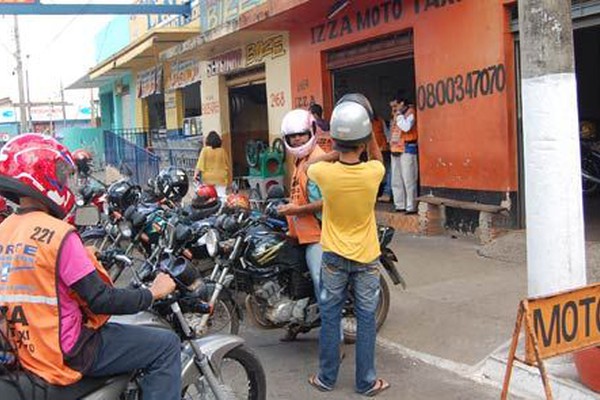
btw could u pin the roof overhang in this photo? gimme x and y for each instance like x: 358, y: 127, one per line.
x: 142, y: 53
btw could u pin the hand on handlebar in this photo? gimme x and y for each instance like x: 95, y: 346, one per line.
x: 162, y: 286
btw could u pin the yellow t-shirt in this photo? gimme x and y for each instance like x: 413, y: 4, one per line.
x: 214, y: 165
x: 349, y: 228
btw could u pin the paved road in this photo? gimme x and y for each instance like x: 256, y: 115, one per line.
x: 288, y: 365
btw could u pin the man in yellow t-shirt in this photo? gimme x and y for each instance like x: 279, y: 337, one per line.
x: 350, y: 244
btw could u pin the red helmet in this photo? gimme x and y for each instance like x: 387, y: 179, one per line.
x: 205, y: 196
x: 37, y: 166
x: 236, y: 200
x: 83, y: 160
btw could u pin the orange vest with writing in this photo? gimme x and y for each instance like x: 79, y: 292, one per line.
x: 398, y: 138
x: 29, y: 291
x: 306, y: 228
x: 324, y: 140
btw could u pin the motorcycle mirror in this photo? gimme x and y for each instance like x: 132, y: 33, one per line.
x: 87, y: 216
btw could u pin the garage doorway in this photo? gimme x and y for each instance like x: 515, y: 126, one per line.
x: 587, y: 65
x: 248, y: 115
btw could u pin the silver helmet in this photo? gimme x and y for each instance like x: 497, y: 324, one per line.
x: 350, y: 125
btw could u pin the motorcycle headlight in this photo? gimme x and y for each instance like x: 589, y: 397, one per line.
x: 79, y: 202
x: 212, y: 242
x: 125, y: 229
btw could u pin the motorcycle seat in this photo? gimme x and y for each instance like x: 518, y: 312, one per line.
x: 25, y: 386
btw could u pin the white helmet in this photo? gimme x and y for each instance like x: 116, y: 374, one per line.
x: 295, y: 122
x: 350, y: 125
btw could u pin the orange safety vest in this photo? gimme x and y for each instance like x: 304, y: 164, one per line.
x: 306, y: 227
x: 379, y: 134
x: 398, y: 138
x: 29, y: 247
x: 324, y: 139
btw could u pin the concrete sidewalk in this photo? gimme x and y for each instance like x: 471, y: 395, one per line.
x: 459, y: 310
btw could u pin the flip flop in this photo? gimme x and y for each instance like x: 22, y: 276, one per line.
x: 379, y: 386
x: 316, y: 383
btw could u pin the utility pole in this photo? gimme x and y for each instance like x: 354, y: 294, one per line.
x: 553, y: 198
x: 30, y: 120
x: 22, y: 107
x: 64, y: 108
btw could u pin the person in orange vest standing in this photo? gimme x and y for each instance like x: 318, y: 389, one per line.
x: 403, y: 146
x: 57, y: 296
x: 321, y: 127
x: 303, y: 212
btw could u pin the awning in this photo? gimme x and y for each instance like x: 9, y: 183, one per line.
x: 142, y: 53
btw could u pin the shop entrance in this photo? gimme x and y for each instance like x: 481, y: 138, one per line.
x: 587, y: 65
x: 380, y: 82
x: 248, y: 117
x: 191, y: 100
x: 156, y: 111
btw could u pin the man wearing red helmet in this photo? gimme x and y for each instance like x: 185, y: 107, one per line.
x: 60, y: 293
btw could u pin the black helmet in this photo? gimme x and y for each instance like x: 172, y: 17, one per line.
x: 172, y: 183
x: 123, y: 194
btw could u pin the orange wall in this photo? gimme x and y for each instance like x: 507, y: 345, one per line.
x: 469, y: 144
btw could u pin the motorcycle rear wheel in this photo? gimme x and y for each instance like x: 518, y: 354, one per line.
x: 250, y: 385
x: 381, y: 313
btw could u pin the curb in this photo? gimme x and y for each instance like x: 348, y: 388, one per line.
x: 525, y: 382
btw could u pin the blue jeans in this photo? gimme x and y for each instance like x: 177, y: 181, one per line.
x: 337, y: 275
x: 314, y: 255
x: 387, y: 179
x: 156, y: 351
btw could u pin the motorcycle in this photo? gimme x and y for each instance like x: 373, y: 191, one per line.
x: 204, y: 360
x: 590, y: 169
x: 255, y: 256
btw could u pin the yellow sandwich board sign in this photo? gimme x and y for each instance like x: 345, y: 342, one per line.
x: 556, y: 324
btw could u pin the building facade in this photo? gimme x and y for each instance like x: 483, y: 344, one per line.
x: 249, y: 62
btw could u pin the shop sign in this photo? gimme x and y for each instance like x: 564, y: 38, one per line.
x: 216, y: 13
x: 184, y: 73
x: 149, y: 82
x: 370, y: 17
x: 225, y: 63
x: 271, y: 47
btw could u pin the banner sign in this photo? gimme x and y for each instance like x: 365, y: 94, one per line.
x: 149, y: 82
x: 184, y: 73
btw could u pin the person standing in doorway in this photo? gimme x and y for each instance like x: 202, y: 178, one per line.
x: 350, y: 245
x: 321, y: 127
x: 403, y: 146
x: 379, y: 133
x: 213, y: 167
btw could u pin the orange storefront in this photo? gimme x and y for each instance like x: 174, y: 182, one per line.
x: 460, y: 54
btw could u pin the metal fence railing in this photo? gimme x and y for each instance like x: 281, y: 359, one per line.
x: 121, y: 152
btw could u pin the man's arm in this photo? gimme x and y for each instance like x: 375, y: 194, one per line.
x: 292, y: 209
x: 405, y: 122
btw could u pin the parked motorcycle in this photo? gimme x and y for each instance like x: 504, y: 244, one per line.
x: 255, y: 256
x: 205, y: 361
x: 590, y: 169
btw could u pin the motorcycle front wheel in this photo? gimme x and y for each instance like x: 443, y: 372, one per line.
x: 242, y: 376
x: 349, y: 321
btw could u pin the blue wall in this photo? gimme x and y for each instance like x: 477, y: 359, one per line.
x: 112, y: 38
x: 90, y: 139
